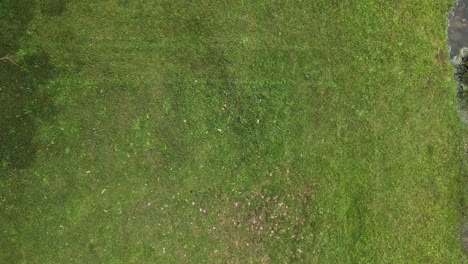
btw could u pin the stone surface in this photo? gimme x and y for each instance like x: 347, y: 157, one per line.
x: 457, y: 37
x: 457, y: 27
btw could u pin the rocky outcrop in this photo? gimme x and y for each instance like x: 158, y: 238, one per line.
x: 460, y: 64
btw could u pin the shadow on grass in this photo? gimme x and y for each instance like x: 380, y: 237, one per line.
x: 15, y: 16
x: 53, y: 7
x: 22, y: 102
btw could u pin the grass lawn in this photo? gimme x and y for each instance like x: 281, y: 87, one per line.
x: 229, y: 132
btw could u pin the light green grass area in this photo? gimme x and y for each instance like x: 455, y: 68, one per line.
x: 229, y: 132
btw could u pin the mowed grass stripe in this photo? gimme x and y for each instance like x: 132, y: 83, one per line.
x: 242, y: 132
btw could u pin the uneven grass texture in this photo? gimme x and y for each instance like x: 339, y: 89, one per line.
x: 229, y: 132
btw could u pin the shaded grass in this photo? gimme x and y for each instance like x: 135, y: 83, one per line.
x: 240, y: 132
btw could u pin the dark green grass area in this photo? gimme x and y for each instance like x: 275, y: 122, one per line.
x: 229, y: 132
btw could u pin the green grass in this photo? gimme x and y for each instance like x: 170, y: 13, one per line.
x: 229, y: 132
